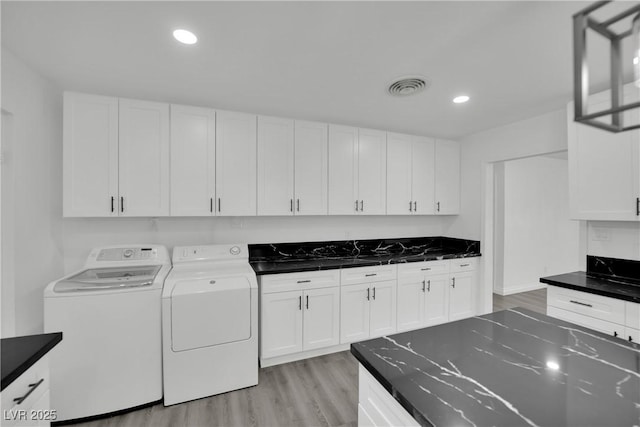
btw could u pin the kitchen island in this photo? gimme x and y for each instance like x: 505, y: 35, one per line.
x: 509, y: 368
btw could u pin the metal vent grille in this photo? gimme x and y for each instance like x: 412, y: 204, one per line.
x: 406, y: 86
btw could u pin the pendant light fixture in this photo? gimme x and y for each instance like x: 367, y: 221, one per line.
x: 584, y: 21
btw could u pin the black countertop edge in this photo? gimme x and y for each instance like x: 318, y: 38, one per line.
x: 387, y: 386
x: 262, y: 268
x: 595, y: 284
x: 20, y: 353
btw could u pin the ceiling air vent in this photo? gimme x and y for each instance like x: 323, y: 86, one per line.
x: 406, y: 86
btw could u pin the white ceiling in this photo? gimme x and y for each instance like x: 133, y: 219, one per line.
x: 326, y: 61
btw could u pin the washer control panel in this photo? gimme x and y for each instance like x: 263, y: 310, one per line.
x: 238, y: 252
x: 127, y: 254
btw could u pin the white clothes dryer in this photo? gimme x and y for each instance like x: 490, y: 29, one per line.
x: 110, y: 357
x: 209, y: 323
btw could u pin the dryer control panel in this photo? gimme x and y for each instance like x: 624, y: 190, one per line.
x: 211, y: 253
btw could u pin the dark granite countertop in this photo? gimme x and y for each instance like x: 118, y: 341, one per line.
x: 20, y: 353
x: 595, y: 284
x: 610, y: 277
x: 509, y: 368
x: 312, y: 256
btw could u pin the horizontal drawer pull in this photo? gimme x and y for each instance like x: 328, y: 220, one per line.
x: 426, y: 269
x: 465, y: 265
x: 32, y: 387
x: 304, y: 281
x: 581, y: 303
x: 371, y: 274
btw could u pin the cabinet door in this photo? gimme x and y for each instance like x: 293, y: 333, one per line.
x: 235, y: 163
x: 461, y: 291
x: 281, y: 324
x: 383, y: 309
x: 399, y: 174
x: 603, y: 172
x: 372, y: 171
x: 90, y: 155
x: 343, y: 170
x: 193, y: 149
x: 275, y: 166
x: 436, y: 299
x: 143, y: 158
x: 447, y: 177
x: 311, y: 153
x: 411, y: 303
x: 423, y: 176
x: 354, y: 312
x: 321, y: 322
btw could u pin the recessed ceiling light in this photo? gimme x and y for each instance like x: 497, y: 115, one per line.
x: 184, y: 36
x: 460, y: 99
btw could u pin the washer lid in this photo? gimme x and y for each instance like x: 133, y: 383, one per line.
x: 100, y: 279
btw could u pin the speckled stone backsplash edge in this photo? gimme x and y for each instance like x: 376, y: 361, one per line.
x: 614, y: 268
x: 361, y: 248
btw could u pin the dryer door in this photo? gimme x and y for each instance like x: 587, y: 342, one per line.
x: 208, y: 312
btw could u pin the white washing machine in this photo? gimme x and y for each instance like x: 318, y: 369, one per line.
x: 110, y: 357
x: 209, y: 323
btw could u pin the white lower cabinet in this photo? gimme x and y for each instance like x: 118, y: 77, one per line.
x: 31, y: 390
x: 435, y: 292
x: 299, y: 312
x: 610, y: 316
x: 367, y: 310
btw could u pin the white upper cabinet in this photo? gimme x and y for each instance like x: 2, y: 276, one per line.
x: 343, y: 170
x: 193, y: 149
x: 143, y: 158
x: 275, y: 166
x: 410, y: 175
x: 235, y: 164
x: 311, y: 141
x: 372, y: 171
x: 90, y: 159
x: 604, y: 170
x: 447, y: 177
x: 357, y: 171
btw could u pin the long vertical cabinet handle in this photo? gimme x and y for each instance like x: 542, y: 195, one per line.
x: 438, y: 207
x: 121, y: 203
x: 374, y: 292
x: 453, y: 282
x: 428, y: 285
x: 219, y: 205
x: 300, y: 302
x: 112, y: 202
x: 356, y: 206
x: 637, y: 206
x: 211, y: 204
x: 368, y: 294
x: 291, y: 205
x: 298, y: 205
x: 415, y: 206
x: 410, y: 206
x: 361, y: 205
x: 307, y: 302
x: 424, y: 285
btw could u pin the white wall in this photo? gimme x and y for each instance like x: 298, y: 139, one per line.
x: 539, y: 239
x: 35, y: 107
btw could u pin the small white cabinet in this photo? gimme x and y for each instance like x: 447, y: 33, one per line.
x: 193, y: 161
x: 447, y: 177
x: 367, y: 308
x: 298, y: 312
x: 410, y: 175
x: 604, y: 170
x: 116, y: 156
x: 357, y: 171
x: 311, y: 141
x: 25, y: 402
x: 235, y: 164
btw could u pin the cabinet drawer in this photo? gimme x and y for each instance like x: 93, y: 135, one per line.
x: 599, y: 325
x: 352, y: 276
x: 299, y: 281
x: 463, y: 264
x: 23, y: 384
x: 423, y: 268
x: 632, y: 311
x: 596, y: 306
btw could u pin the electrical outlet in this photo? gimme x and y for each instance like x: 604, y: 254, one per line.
x: 601, y: 234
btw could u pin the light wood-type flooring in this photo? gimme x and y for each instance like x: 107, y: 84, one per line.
x: 322, y: 391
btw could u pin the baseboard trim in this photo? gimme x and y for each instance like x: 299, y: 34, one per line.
x: 302, y: 355
x: 525, y: 288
